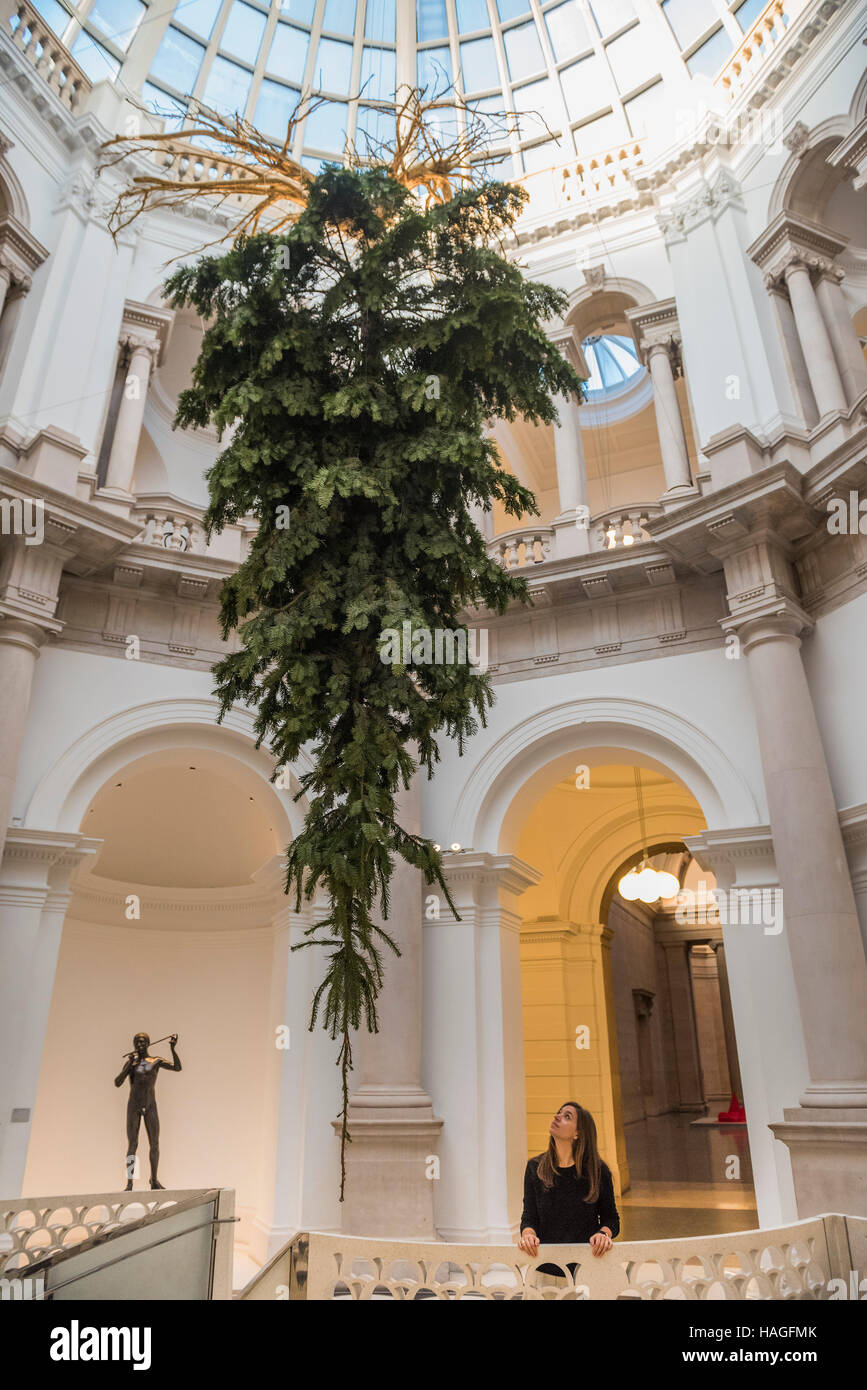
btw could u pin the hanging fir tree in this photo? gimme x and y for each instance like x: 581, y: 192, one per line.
x: 356, y: 357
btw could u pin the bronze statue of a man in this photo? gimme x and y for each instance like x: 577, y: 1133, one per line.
x: 142, y: 1104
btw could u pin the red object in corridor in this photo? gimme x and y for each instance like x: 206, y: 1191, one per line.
x: 735, y: 1115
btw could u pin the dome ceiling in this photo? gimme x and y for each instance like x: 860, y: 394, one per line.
x: 589, y: 73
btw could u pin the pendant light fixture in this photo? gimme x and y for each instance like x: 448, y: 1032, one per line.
x: 644, y: 883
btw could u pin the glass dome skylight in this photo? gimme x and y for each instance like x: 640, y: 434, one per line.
x: 612, y: 360
x: 597, y: 71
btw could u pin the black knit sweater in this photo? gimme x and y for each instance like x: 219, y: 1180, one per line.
x: 560, y: 1215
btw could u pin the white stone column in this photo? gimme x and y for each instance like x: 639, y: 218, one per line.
x: 20, y: 642
x: 474, y: 1046
x: 815, y: 342
x: 764, y: 1000
x: 819, y: 905
x: 709, y: 1023
x: 728, y: 1019
x: 5, y: 283
x: 848, y: 355
x: 29, y: 581
x: 34, y: 894
x: 672, y: 440
x: 389, y: 1187
x: 573, y: 522
x: 689, y: 1080
x: 127, y: 430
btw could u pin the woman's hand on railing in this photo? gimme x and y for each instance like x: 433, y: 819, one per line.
x: 600, y: 1242
x: 528, y: 1241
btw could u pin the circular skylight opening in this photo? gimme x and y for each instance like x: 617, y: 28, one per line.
x: 612, y: 360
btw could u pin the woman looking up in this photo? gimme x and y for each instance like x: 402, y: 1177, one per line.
x: 568, y: 1190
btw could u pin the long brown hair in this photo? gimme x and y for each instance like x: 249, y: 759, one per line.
x: 585, y: 1154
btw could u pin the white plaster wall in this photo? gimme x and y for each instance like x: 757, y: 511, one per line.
x: 210, y: 987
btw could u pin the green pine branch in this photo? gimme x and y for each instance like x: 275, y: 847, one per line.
x: 355, y: 360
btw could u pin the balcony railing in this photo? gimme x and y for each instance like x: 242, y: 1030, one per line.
x: 43, y: 49
x: 589, y: 179
x: 622, y: 527
x: 807, y: 1261
x: 529, y: 545
x: 170, y: 531
x: 757, y: 44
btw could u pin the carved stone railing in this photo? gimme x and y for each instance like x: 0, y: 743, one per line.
x: 170, y: 530
x: 622, y: 526
x: 588, y: 179
x: 43, y: 49
x: 757, y: 45
x: 529, y: 545
x: 33, y: 1227
x: 797, y: 1262
x: 182, y: 160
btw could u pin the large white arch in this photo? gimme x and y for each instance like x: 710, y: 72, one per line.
x: 539, y: 751
x: 62, y: 796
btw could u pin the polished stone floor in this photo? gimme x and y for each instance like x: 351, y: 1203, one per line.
x: 686, y: 1179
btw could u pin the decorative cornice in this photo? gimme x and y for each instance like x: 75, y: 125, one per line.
x: 655, y: 326
x: 709, y: 202
x: 146, y: 326
x: 791, y: 241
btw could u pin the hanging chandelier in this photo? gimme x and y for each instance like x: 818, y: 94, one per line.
x: 643, y: 883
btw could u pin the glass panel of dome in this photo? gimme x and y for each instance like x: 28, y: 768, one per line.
x: 227, y: 87
x: 374, y: 127
x: 170, y: 111
x: 198, y: 15
x: 325, y: 128
x: 118, y: 19
x: 512, y: 9
x: 542, y: 156
x: 567, y: 31
x: 377, y: 73
x: 689, y: 18
x: 339, y: 16
x: 302, y: 10
x: 178, y: 61
x: 479, y: 65
x: 629, y: 59
x: 539, y: 106
x: 642, y: 109
x: 747, y: 14
x: 611, y: 15
x: 431, y: 20
x: 273, y: 108
x: 523, y: 51
x: 96, y: 61
x: 434, y: 70
x: 55, y: 16
x: 489, y: 114
x: 288, y: 52
x: 586, y: 87
x: 333, y: 70
x: 600, y: 134
x: 379, y: 20
x: 243, y: 32
x: 472, y: 15
x: 708, y: 60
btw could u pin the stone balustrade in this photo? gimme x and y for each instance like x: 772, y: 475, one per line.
x: 32, y: 1228
x: 757, y: 44
x: 524, y: 547
x: 587, y: 179
x: 171, y: 531
x: 183, y: 160
x: 808, y: 1261
x: 623, y: 526
x: 41, y: 46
